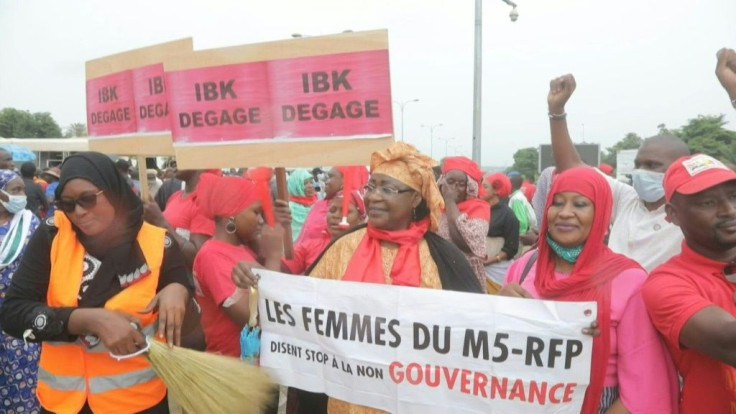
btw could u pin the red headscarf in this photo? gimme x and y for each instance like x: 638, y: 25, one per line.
x: 261, y: 176
x: 529, y: 189
x: 606, y: 168
x: 464, y: 164
x: 592, y: 273
x: 224, y: 196
x: 501, y: 184
x: 473, y: 207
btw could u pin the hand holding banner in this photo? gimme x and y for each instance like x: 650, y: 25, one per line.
x: 421, y: 350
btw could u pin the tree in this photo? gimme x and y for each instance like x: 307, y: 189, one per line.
x: 663, y: 130
x: 630, y: 141
x: 706, y: 134
x: 46, y: 126
x: 15, y: 123
x: 76, y: 130
x: 526, y: 161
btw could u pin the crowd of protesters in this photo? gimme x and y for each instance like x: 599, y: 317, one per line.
x: 82, y: 256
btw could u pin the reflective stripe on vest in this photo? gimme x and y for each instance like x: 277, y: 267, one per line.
x: 97, y: 385
x: 71, y: 374
x: 61, y: 382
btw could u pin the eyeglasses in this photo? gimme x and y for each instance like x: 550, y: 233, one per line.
x: 385, y: 191
x: 86, y: 201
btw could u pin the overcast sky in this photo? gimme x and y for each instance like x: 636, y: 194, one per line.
x: 637, y: 63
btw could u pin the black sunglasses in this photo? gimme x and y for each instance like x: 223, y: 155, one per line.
x: 86, y: 201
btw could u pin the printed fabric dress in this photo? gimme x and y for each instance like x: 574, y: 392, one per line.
x: 18, y: 362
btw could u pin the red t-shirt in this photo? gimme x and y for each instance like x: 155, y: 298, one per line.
x: 183, y: 215
x: 213, y: 266
x: 673, y: 293
x: 305, y: 253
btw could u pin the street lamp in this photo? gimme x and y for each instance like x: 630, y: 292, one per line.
x: 431, y: 137
x: 402, y: 104
x: 514, y: 15
x: 447, y: 141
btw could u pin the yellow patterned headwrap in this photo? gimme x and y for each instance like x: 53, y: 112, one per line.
x: 403, y: 162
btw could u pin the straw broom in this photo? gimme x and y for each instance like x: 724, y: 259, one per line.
x: 203, y: 383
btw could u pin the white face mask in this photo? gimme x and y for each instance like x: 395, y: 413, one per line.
x: 648, y: 185
x: 15, y: 203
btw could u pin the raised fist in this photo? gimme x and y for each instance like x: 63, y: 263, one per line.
x: 726, y: 70
x: 560, y: 90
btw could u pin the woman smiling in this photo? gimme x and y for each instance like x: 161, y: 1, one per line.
x: 398, y: 245
x: 631, y: 371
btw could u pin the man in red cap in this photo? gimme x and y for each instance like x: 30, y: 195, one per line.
x: 690, y: 298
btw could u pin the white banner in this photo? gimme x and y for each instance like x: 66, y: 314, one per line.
x: 409, y: 350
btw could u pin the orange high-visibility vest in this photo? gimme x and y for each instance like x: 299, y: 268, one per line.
x: 69, y: 373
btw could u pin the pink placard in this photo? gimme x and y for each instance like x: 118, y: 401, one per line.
x: 219, y: 104
x: 344, y: 94
x: 151, y: 100
x: 111, y: 105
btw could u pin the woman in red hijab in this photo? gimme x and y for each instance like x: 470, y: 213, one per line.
x: 466, y: 217
x: 631, y: 369
x: 307, y: 251
x: 235, y: 206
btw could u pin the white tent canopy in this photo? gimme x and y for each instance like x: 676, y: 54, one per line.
x: 49, y: 144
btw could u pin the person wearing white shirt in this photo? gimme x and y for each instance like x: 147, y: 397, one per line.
x: 639, y: 229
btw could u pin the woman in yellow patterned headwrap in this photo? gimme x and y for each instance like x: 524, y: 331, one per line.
x: 398, y: 245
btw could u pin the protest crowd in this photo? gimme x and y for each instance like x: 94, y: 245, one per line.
x: 85, y: 264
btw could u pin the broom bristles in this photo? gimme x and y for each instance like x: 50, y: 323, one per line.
x: 203, y: 383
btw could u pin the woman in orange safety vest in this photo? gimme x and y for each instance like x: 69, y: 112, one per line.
x: 95, y: 280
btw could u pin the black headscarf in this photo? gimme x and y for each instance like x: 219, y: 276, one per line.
x: 116, y: 247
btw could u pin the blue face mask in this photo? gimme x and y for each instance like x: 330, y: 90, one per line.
x: 15, y: 203
x: 648, y: 185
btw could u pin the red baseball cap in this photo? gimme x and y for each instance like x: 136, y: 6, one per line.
x: 695, y: 173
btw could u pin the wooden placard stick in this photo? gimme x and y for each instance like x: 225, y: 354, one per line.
x: 283, y: 194
x: 143, y: 177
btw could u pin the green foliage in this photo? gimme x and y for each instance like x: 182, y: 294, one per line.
x: 706, y: 134
x: 76, y: 130
x: 630, y: 141
x: 15, y: 123
x: 526, y: 161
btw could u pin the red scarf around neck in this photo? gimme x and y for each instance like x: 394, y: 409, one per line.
x: 366, y: 265
x: 306, y: 201
x: 475, y: 208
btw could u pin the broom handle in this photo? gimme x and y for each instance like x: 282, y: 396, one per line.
x: 283, y: 194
